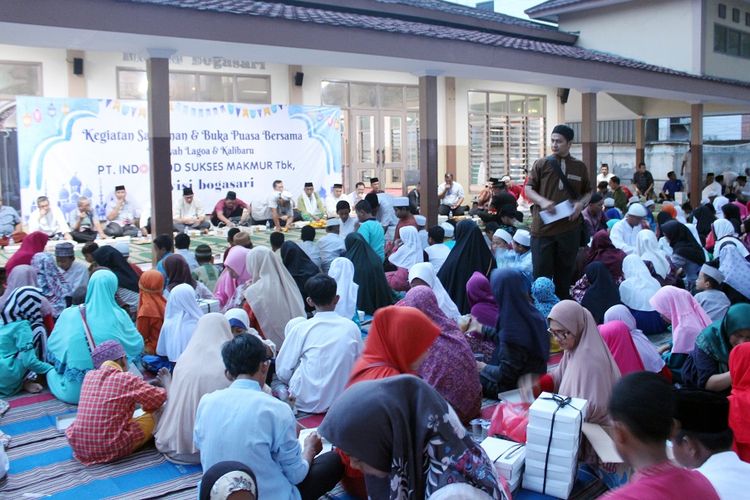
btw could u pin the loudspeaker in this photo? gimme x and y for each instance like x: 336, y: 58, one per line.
x: 298, y: 77
x: 77, y: 66
x: 563, y: 95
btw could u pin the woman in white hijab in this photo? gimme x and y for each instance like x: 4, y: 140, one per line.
x: 647, y: 248
x: 180, y: 319
x: 199, y: 371
x: 725, y: 235
x: 424, y: 273
x: 407, y: 255
x: 342, y: 270
x: 636, y: 291
x: 652, y: 361
x: 273, y: 297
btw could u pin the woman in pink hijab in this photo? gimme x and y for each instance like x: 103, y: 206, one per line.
x: 587, y: 369
x: 616, y: 335
x: 235, y: 275
x: 32, y: 245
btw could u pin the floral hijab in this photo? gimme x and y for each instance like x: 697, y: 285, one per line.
x: 412, y: 434
x: 543, y: 292
x: 51, y: 281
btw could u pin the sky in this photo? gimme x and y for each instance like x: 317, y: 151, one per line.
x: 510, y: 7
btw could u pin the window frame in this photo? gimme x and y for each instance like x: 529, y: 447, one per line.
x: 40, y: 77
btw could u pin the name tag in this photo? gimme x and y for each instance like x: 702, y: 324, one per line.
x: 574, y: 177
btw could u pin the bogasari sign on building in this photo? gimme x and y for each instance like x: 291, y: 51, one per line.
x: 68, y: 148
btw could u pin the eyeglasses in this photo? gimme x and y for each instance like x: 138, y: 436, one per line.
x: 558, y: 334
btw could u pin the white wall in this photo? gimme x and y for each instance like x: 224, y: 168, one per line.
x: 54, y: 67
x: 722, y: 65
x: 659, y: 32
x: 607, y: 108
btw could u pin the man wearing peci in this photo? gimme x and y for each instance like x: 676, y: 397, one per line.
x: 553, y: 180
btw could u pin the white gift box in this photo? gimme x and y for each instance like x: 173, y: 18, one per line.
x: 507, y: 456
x: 535, y: 468
x: 557, y: 456
x: 568, y: 418
x: 209, y: 305
x: 559, y: 489
x: 562, y: 440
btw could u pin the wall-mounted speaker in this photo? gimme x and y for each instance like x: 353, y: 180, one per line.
x: 77, y: 66
x: 298, y: 77
x: 563, y: 94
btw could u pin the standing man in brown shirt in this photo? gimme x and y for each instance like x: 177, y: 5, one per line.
x: 554, y: 245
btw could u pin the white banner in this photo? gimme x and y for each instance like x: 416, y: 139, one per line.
x: 70, y: 148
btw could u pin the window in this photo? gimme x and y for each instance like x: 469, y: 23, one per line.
x: 731, y: 42
x: 747, y: 18
x: 506, y: 134
x: 736, y: 15
x: 207, y: 87
x: 20, y: 78
x: 369, y: 95
x: 722, y: 11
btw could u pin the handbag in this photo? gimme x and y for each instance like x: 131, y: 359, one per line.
x: 87, y: 331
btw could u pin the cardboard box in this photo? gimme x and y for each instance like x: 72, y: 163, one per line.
x: 568, y: 419
x: 209, y: 305
x: 507, y: 456
x: 535, y: 468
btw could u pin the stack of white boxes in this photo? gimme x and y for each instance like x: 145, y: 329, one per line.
x: 562, y: 457
x: 507, y: 457
x: 209, y: 305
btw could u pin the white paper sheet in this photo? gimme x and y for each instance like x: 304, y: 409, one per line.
x: 327, y: 446
x: 602, y: 443
x: 562, y: 211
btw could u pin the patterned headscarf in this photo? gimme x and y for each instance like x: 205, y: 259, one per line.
x: 51, y: 281
x: 543, y: 291
x: 412, y: 434
x: 225, y: 478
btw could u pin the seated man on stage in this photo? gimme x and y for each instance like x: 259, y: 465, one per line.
x: 229, y: 211
x: 49, y: 220
x: 188, y: 213
x: 310, y: 205
x: 84, y: 223
x: 282, y: 206
x: 333, y: 198
x: 121, y: 214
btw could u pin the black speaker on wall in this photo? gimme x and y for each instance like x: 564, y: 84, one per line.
x: 77, y: 66
x: 298, y: 77
x: 563, y: 94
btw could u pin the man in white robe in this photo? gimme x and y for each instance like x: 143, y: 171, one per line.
x: 625, y: 231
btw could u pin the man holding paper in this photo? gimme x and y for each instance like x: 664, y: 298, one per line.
x: 560, y: 188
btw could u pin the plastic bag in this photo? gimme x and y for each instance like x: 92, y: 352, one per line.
x: 509, y: 420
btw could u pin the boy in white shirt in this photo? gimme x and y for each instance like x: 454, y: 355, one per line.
x: 319, y: 353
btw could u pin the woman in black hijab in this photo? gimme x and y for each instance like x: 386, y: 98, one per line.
x: 109, y: 257
x: 687, y: 253
x: 410, y: 444
x: 469, y: 255
x: 299, y: 265
x: 704, y: 216
x: 374, y: 291
x: 602, y: 293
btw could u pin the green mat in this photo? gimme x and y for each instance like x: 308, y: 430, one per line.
x: 141, y: 252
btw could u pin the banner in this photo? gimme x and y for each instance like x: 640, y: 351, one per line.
x: 68, y: 148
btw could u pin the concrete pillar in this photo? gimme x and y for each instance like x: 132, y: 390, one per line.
x: 640, y: 140
x: 295, y: 91
x: 588, y: 132
x: 76, y: 83
x: 157, y: 69
x: 450, y: 126
x: 428, y: 148
x: 696, y: 153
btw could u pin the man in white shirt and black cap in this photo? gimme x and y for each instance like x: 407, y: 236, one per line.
x: 625, y: 231
x: 336, y: 195
x: 310, y: 205
x: 188, y: 213
x: 121, y: 215
x: 704, y: 439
